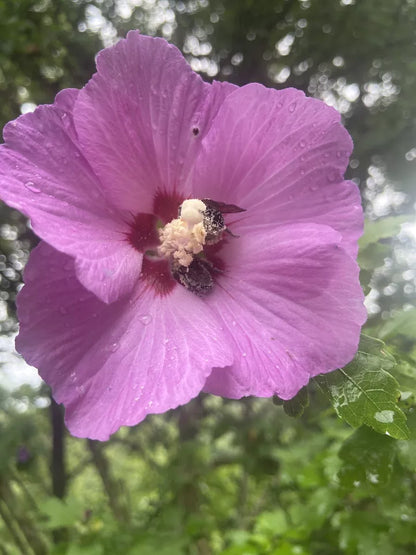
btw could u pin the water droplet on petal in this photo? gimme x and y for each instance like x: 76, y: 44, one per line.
x: 244, y: 354
x: 302, y: 144
x: 333, y: 176
x: 145, y: 319
x: 114, y: 347
x: 30, y: 186
x: 292, y: 107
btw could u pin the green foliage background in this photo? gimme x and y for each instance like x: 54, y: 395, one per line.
x: 332, y: 471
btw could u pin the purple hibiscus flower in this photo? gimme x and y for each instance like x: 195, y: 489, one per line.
x: 195, y: 237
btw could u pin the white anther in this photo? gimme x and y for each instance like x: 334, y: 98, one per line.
x: 181, y: 240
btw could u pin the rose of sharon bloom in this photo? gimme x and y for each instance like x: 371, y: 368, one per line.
x: 195, y: 237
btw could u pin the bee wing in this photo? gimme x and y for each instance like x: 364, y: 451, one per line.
x: 222, y: 206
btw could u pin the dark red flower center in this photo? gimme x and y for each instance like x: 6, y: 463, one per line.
x: 195, y: 269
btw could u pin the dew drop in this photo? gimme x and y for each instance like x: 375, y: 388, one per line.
x: 145, y: 319
x: 80, y: 390
x: 302, y: 144
x: 114, y: 347
x: 332, y: 176
x: 244, y: 354
x: 73, y: 377
x: 30, y: 186
x: 292, y: 107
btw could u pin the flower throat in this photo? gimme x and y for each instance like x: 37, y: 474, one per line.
x: 185, y: 240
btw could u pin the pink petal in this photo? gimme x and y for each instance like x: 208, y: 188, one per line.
x: 281, y: 156
x: 291, y: 302
x: 111, y: 365
x: 142, y: 117
x: 44, y: 174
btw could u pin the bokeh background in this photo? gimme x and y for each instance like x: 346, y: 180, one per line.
x: 217, y: 476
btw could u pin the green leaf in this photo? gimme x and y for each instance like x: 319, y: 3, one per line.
x: 271, y: 523
x: 375, y: 245
x: 381, y: 229
x: 373, y: 256
x: 364, y: 533
x: 368, y: 459
x: 296, y: 406
x: 407, y: 454
x: 365, y: 393
x: 60, y: 513
x: 403, y: 323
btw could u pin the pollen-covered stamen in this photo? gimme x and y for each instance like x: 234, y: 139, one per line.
x: 184, y: 237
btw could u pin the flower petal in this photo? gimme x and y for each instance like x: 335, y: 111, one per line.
x: 291, y: 301
x: 281, y: 156
x: 142, y: 117
x: 111, y: 365
x: 44, y: 174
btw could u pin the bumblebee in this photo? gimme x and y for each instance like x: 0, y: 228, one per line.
x: 197, y: 277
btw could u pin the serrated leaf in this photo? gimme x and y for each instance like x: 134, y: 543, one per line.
x: 368, y: 459
x: 296, y: 406
x: 365, y: 393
